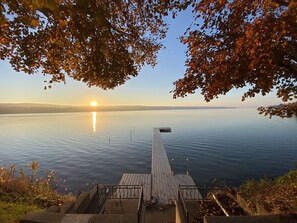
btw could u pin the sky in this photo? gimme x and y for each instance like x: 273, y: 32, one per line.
x: 151, y: 87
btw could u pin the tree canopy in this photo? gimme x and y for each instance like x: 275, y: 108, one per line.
x: 105, y: 42
x: 243, y: 43
x: 102, y: 43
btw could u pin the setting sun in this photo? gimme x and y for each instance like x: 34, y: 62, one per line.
x: 94, y: 103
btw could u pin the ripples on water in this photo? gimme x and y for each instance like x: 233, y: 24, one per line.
x: 233, y: 144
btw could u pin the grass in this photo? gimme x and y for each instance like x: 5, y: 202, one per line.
x: 275, y: 195
x: 21, y: 193
x: 12, y: 212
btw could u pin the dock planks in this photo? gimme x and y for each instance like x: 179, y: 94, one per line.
x: 160, y: 164
x: 143, y: 180
x: 162, y: 185
x: 165, y: 184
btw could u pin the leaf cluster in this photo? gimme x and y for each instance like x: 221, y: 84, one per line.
x: 242, y: 44
x: 102, y: 43
x: 288, y: 110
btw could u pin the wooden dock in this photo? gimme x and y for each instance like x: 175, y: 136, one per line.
x: 143, y: 180
x: 160, y: 164
x: 165, y: 183
x: 162, y: 185
x: 124, y: 202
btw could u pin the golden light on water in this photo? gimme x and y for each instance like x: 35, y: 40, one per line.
x: 94, y: 119
x: 93, y: 103
x: 94, y: 115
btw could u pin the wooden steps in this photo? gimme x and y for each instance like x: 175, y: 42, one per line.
x: 87, y: 203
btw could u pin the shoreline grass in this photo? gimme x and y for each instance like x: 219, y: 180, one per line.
x: 278, y: 195
x: 21, y: 193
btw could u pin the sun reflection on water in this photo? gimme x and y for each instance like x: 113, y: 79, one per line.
x: 94, y: 120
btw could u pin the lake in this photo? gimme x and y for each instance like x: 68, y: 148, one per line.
x: 86, y: 148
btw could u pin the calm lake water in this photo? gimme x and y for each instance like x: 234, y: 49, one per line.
x: 85, y: 148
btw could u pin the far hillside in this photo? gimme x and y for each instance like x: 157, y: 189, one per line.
x: 25, y: 108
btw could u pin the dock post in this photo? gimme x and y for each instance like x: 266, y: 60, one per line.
x: 172, y: 166
x: 187, y: 166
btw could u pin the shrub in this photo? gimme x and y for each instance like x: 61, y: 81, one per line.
x: 17, y: 186
x: 279, y: 194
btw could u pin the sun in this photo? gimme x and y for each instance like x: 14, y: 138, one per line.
x: 93, y: 103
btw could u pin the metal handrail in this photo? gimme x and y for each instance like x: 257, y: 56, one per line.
x: 105, y: 192
x: 120, y: 191
x: 189, y: 196
x: 184, y: 207
x: 139, y: 205
x: 97, y: 202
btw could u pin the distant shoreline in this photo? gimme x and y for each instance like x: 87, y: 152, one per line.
x: 24, y: 108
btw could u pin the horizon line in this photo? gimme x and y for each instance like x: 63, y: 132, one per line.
x: 27, y: 108
x: 120, y: 105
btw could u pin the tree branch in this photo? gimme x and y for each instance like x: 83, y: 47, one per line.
x: 282, y: 110
x: 283, y: 2
x: 289, y: 67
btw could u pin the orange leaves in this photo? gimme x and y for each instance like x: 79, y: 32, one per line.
x: 242, y: 43
x: 62, y: 23
x: 102, y: 43
x: 35, y: 23
x: 222, y: 2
